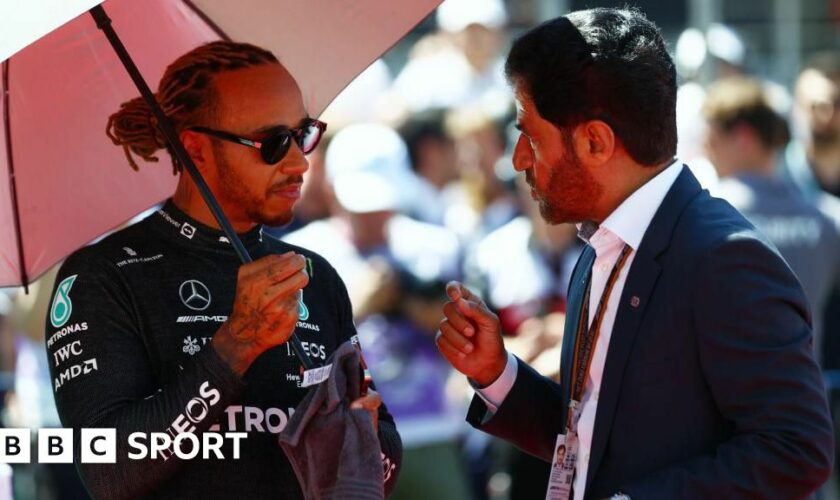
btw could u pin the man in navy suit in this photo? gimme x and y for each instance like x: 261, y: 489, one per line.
x: 687, y: 368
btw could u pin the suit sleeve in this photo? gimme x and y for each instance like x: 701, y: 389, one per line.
x: 389, y: 438
x: 103, y: 378
x: 755, y: 344
x: 534, y: 399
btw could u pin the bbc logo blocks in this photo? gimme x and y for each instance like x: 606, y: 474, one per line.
x: 99, y: 446
x: 15, y: 446
x: 56, y: 446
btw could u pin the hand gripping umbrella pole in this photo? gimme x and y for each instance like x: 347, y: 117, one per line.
x: 103, y: 22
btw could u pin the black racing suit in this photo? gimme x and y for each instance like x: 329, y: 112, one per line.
x: 128, y: 338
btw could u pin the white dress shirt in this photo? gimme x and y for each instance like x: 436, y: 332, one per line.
x: 627, y: 224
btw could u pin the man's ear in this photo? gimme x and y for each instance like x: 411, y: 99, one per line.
x: 198, y: 147
x: 598, y: 141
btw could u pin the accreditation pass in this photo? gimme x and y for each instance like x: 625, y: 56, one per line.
x: 562, y: 467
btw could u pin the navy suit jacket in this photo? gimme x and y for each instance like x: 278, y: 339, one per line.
x: 710, y: 387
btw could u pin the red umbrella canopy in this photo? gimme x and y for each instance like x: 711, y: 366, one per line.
x: 62, y: 182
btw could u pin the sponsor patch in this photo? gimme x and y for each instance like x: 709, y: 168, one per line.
x: 187, y: 230
x: 308, y: 326
x: 388, y: 466
x: 68, y: 351
x: 67, y: 330
x: 201, y: 319
x: 191, y: 346
x: 62, y: 306
x: 195, y: 295
x: 312, y: 349
x: 71, y: 372
x: 169, y: 218
x: 254, y: 419
x: 139, y: 260
x: 303, y: 311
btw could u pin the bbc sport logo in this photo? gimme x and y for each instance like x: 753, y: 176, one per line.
x: 99, y: 446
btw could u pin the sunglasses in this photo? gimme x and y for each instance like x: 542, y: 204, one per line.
x: 275, y: 146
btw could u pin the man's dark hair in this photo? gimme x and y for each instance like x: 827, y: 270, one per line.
x: 605, y: 64
x: 186, y: 94
x: 737, y: 101
x: 421, y: 127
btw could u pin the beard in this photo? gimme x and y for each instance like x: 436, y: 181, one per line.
x: 826, y: 138
x: 237, y: 193
x: 572, y: 191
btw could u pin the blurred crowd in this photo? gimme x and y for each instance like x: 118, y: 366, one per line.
x: 414, y: 187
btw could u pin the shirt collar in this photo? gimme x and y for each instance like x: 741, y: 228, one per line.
x: 630, y: 220
x: 171, y: 218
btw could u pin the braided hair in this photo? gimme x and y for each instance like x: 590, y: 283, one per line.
x: 185, y: 93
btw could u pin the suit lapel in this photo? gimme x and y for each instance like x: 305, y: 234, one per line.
x: 635, y: 297
x: 577, y: 290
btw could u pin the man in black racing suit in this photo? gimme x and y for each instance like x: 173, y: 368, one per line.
x: 158, y: 328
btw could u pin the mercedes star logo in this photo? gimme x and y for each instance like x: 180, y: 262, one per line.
x: 195, y: 295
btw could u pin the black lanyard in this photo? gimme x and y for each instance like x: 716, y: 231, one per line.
x: 587, y: 337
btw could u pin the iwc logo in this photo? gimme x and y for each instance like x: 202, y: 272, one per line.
x: 62, y: 306
x: 195, y: 295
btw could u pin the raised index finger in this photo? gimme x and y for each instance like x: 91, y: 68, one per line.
x: 457, y: 319
x: 457, y: 290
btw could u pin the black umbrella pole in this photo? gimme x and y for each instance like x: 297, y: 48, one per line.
x: 103, y: 22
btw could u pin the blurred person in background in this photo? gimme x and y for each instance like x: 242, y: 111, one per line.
x: 813, y: 159
x: 718, y: 52
x: 395, y: 268
x: 744, y: 141
x: 432, y: 158
x: 460, y: 64
x: 368, y: 239
x: 486, y: 198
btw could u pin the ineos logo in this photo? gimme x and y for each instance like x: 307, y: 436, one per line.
x: 195, y: 295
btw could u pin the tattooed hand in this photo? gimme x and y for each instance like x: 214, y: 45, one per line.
x: 265, y: 309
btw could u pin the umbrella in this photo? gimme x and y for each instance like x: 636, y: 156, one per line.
x: 67, y: 184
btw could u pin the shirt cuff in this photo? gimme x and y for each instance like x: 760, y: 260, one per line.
x: 494, y: 394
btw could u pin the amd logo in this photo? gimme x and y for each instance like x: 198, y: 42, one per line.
x: 87, y: 366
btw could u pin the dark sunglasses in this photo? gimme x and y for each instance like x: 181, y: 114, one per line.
x: 274, y: 147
